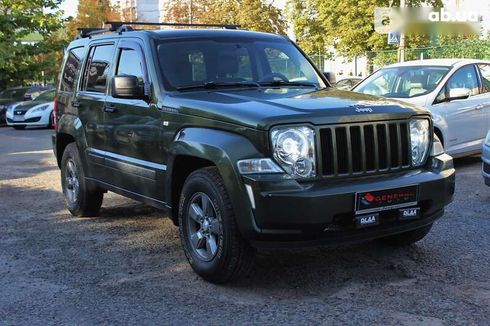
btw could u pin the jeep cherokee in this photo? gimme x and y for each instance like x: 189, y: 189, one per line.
x: 242, y: 141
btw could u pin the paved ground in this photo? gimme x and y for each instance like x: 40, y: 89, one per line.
x: 127, y: 267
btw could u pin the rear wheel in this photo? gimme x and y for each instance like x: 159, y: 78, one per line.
x: 80, y: 200
x: 407, y: 238
x: 19, y: 127
x: 208, y: 231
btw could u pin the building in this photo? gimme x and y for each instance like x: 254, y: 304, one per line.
x: 140, y: 10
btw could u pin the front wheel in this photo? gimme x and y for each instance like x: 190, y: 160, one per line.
x: 407, y: 238
x: 208, y: 231
x: 80, y: 199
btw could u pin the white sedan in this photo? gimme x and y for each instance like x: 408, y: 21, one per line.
x: 38, y: 113
x: 456, y: 91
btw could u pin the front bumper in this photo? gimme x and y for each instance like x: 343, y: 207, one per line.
x: 288, y: 212
x: 486, y: 164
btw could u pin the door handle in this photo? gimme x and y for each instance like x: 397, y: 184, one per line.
x: 110, y: 108
x: 75, y: 103
x: 479, y: 107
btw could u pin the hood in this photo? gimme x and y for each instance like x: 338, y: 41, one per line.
x: 26, y: 105
x: 265, y: 107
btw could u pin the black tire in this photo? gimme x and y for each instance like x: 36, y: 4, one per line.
x: 233, y: 257
x: 82, y: 201
x: 407, y: 238
x: 51, y: 121
x: 19, y: 127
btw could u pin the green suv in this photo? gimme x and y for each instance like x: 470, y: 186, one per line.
x: 240, y: 139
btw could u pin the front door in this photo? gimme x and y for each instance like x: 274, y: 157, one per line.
x: 465, y: 123
x: 134, y: 133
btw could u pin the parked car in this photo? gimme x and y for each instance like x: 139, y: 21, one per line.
x: 38, y: 112
x: 237, y: 136
x: 13, y: 96
x: 486, y: 160
x: 456, y: 91
x: 347, y: 83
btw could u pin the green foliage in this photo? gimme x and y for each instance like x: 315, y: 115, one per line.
x: 256, y: 15
x: 347, y: 26
x: 22, y: 62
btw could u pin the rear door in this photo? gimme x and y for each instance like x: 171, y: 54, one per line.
x: 134, y: 150
x: 465, y: 123
x: 90, y: 101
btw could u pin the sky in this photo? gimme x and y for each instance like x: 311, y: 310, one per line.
x: 69, y: 7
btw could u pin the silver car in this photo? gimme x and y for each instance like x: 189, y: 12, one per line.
x: 486, y: 159
x: 456, y: 91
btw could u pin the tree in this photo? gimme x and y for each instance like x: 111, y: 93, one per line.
x: 22, y: 61
x: 257, y: 15
x: 92, y: 13
x: 347, y: 25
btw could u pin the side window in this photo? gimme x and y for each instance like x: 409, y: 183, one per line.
x: 98, y: 67
x: 130, y: 64
x: 485, y: 77
x: 465, y: 78
x: 71, y: 69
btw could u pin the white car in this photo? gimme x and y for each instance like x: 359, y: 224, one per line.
x: 38, y: 113
x: 456, y: 91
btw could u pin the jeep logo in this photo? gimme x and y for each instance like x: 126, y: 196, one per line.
x: 364, y: 110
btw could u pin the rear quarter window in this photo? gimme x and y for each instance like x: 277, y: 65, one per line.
x: 71, y: 69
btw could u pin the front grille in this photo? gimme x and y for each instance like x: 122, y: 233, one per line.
x: 365, y: 148
x: 486, y: 168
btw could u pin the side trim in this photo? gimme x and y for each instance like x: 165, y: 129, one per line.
x: 129, y: 160
x: 130, y: 194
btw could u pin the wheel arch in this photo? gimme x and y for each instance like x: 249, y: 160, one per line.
x: 69, y: 131
x: 194, y: 148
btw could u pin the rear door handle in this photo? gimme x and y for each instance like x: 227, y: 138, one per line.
x: 479, y: 107
x: 110, y: 108
x: 75, y: 103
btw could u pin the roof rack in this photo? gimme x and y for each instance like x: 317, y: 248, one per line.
x: 116, y: 24
x: 119, y: 27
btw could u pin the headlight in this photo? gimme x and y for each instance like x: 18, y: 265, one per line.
x: 419, y: 137
x: 294, y: 150
x: 39, y: 108
x: 487, y: 140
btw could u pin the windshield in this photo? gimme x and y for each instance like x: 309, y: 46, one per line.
x: 252, y: 62
x: 403, y: 82
x: 17, y: 94
x: 46, y: 96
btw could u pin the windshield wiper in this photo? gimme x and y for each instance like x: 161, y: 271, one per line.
x: 288, y: 83
x: 213, y: 85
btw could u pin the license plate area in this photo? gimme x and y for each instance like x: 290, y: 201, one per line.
x: 386, y: 199
x: 19, y: 118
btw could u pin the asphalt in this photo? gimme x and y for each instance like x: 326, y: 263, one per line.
x: 127, y: 266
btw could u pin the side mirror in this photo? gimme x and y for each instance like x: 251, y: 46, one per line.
x: 458, y: 94
x: 330, y: 77
x: 127, y: 87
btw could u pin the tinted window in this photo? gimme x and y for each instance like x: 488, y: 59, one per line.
x: 464, y: 78
x: 16, y: 93
x: 226, y: 60
x: 46, y: 96
x: 403, y: 82
x: 485, y: 77
x: 71, y: 69
x: 130, y: 64
x: 98, y: 68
